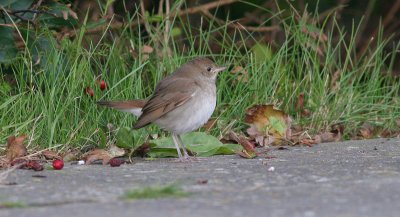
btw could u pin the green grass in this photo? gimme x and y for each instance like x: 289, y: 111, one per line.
x: 12, y: 205
x: 155, y: 192
x: 48, y: 103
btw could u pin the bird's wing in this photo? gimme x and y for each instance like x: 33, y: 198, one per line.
x: 169, y: 94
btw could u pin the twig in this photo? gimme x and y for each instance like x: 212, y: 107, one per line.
x: 160, y: 10
x: 328, y: 12
x: 192, y: 10
x: 367, y: 15
x: 148, y: 27
x: 167, y: 26
x: 237, y: 25
x: 390, y: 15
x: 207, y: 7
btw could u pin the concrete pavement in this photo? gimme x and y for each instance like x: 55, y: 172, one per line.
x: 354, y: 178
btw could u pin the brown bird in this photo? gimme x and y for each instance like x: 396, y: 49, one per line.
x: 182, y: 102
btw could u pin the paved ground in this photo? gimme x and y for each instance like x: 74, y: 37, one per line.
x: 357, y: 178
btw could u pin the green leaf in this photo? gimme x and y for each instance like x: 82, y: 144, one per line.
x: 278, y: 124
x: 125, y: 138
x: 129, y: 139
x: 57, y: 22
x: 162, y: 152
x: 16, y: 4
x: 6, y: 3
x: 8, y: 49
x: 202, y: 144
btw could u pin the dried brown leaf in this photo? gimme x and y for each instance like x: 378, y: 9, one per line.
x: 97, y: 154
x: 327, y: 137
x: 16, y: 147
x: 51, y: 155
x: 116, y: 151
x: 70, y: 156
x: 367, y: 131
x: 249, y: 150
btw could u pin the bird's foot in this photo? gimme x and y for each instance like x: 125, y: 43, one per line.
x: 187, y: 159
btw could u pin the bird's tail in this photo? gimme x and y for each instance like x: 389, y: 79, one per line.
x: 132, y: 106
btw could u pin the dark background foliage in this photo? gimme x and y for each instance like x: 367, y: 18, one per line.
x: 66, y: 18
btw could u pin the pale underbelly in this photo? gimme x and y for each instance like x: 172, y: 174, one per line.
x: 190, y: 116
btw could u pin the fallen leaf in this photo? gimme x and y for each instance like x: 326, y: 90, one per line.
x: 367, y: 131
x: 70, y: 156
x: 385, y: 133
x: 51, y: 155
x: 301, y: 136
x: 327, y: 137
x: 200, y: 143
x: 27, y: 164
x: 116, y: 151
x: 97, y: 154
x: 142, y: 150
x: 34, y: 165
x: 16, y: 147
x: 268, y: 125
x: 308, y: 142
x: 19, y: 163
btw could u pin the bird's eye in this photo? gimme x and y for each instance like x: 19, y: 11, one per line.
x: 209, y: 69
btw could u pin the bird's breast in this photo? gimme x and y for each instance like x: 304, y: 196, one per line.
x: 191, y: 115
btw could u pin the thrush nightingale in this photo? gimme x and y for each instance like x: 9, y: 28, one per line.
x: 182, y: 102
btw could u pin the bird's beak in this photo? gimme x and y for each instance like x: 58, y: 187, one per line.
x: 219, y: 69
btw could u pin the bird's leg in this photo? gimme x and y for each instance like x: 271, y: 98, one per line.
x: 185, y: 153
x: 175, y: 137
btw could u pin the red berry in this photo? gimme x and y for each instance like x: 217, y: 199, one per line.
x: 103, y: 85
x: 89, y: 91
x: 58, y: 164
x: 115, y: 162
